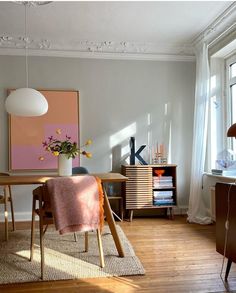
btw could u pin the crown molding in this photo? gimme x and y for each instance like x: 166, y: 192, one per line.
x: 15, y: 45
x: 98, y: 55
x: 223, y: 24
x: 107, y: 49
x: 20, y: 42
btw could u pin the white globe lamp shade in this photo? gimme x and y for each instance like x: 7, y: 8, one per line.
x: 26, y: 102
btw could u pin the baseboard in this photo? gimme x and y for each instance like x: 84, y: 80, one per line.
x: 19, y: 217
x: 180, y: 210
x: 26, y: 216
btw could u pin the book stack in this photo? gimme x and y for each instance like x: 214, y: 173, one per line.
x: 216, y: 171
x: 163, y: 197
x: 226, y: 172
x: 162, y: 181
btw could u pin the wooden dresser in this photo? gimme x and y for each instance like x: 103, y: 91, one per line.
x: 225, y: 194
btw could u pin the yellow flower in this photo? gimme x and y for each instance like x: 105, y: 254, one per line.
x: 88, y: 142
x: 56, y: 154
x: 88, y: 155
x: 58, y: 131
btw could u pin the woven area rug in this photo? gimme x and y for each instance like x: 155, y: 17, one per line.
x: 65, y: 258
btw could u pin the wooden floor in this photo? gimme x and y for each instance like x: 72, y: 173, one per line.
x: 177, y: 256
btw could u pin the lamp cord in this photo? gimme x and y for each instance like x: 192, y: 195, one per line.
x: 26, y: 48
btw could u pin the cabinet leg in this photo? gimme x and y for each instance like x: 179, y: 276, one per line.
x: 166, y: 212
x: 121, y: 209
x: 131, y: 213
x: 171, y: 213
x: 228, y: 269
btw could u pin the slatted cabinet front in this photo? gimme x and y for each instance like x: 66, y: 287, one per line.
x: 139, y: 192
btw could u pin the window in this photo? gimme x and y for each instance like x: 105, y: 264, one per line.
x: 231, y: 96
x: 233, y: 70
x: 222, y: 113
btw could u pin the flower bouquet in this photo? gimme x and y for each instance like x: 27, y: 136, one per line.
x: 56, y: 146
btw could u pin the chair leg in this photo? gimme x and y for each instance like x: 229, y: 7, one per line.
x: 102, y: 263
x: 75, y: 237
x: 6, y: 213
x: 32, y: 229
x: 12, y: 209
x: 86, y: 241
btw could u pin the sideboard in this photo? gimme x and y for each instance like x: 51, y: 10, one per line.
x: 150, y: 187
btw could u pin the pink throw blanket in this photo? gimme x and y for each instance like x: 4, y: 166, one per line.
x: 77, y: 203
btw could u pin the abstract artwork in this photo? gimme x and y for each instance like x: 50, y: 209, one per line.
x: 26, y: 134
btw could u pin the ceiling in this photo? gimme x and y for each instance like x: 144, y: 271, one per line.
x: 134, y: 27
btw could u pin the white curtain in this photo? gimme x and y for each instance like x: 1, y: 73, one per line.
x: 198, y: 212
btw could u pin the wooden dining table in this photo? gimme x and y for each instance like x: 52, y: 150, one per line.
x: 105, y: 178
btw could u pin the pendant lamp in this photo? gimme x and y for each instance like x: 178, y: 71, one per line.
x: 26, y: 101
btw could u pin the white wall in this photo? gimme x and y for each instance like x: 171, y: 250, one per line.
x: 118, y: 99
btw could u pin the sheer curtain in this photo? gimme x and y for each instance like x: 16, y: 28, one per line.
x: 197, y: 211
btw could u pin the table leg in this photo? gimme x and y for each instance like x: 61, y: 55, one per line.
x: 6, y: 212
x: 112, y: 224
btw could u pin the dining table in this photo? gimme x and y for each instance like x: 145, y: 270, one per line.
x: 104, y: 177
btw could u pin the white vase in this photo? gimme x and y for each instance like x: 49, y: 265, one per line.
x: 64, y: 165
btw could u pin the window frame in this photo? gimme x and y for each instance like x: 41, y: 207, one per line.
x: 216, y: 144
x: 229, y: 82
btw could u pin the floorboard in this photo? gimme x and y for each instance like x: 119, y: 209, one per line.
x: 177, y: 256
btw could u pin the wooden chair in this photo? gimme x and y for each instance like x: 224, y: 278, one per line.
x: 4, y: 199
x: 44, y: 212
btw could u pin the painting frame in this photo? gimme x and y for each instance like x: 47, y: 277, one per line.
x: 27, y: 134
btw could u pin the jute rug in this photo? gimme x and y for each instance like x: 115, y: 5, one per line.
x: 65, y: 258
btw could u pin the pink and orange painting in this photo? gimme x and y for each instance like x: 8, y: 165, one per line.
x: 26, y: 134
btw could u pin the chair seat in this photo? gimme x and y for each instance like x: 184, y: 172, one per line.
x: 47, y: 217
x: 48, y: 214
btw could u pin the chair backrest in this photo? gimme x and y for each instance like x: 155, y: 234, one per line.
x: 41, y: 194
x: 76, y: 202
x: 79, y: 170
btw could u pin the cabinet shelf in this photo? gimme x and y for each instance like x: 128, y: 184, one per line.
x: 139, y: 190
x: 164, y: 188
